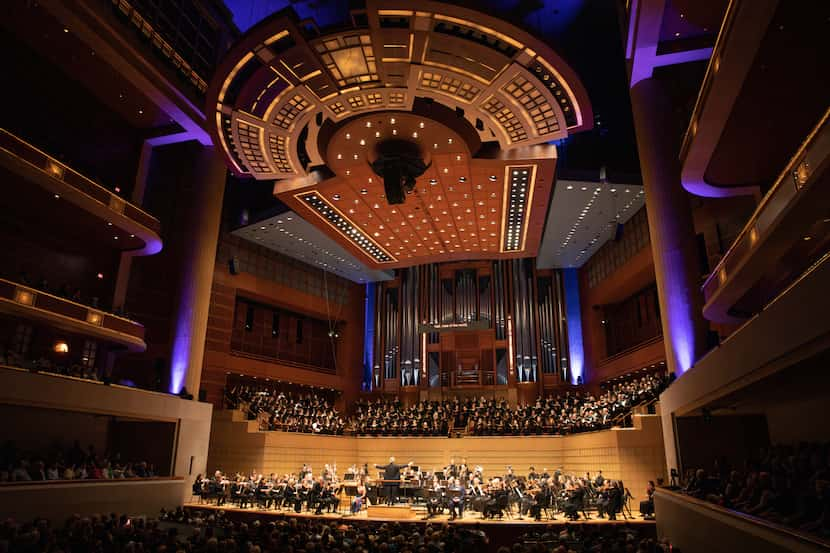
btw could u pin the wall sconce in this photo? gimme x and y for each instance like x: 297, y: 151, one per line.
x: 801, y: 174
x: 24, y: 297
x: 95, y: 318
x: 60, y: 347
x: 54, y: 169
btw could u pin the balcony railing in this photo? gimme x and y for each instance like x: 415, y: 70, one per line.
x: 136, y: 220
x: 20, y: 300
x: 789, y: 189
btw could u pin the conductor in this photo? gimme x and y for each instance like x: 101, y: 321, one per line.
x: 391, y: 480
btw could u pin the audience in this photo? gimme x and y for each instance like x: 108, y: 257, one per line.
x: 591, y: 538
x: 277, y: 410
x: 184, y: 531
x: 44, y: 364
x: 73, y: 463
x: 788, y: 485
x: 64, y: 290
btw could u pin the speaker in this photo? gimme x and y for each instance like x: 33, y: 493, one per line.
x: 233, y: 266
x: 618, y: 232
x: 392, y: 178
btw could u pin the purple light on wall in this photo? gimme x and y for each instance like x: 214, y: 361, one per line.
x: 681, y: 328
x: 180, y: 355
x: 573, y: 318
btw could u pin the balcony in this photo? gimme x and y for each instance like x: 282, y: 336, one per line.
x: 137, y: 231
x: 788, y: 233
x: 762, y: 93
x: 691, y: 524
x: 22, y: 301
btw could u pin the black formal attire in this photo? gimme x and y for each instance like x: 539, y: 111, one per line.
x: 392, y: 481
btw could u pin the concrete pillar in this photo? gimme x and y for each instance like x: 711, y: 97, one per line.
x: 673, y: 242
x: 673, y: 245
x: 200, y: 230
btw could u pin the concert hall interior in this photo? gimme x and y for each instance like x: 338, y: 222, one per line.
x: 387, y: 276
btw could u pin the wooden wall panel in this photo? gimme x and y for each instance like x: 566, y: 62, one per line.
x: 219, y: 360
x: 634, y: 455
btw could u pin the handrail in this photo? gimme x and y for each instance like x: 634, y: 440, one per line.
x: 56, y: 169
x: 703, y: 93
x: 752, y: 224
x: 40, y: 292
x: 632, y: 349
x: 86, y: 381
x: 45, y: 483
x: 286, y: 362
x: 768, y: 525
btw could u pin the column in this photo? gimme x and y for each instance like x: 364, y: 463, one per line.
x: 673, y: 243
x: 200, y: 234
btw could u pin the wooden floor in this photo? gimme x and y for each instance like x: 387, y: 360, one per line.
x: 469, y: 517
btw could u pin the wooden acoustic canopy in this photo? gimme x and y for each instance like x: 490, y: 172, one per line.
x: 481, y: 100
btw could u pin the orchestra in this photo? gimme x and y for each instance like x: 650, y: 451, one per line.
x: 454, y: 489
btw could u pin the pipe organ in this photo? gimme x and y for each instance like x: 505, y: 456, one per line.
x: 470, y: 325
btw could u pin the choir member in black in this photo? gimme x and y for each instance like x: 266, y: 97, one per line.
x: 392, y: 480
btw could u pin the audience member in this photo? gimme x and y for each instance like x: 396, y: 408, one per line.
x: 67, y: 464
x: 787, y: 485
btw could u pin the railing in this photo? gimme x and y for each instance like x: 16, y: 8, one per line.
x: 287, y: 363
x: 632, y: 349
x: 45, y: 483
x: 778, y: 199
x: 774, y: 532
x: 62, y: 172
x: 708, y: 77
x: 21, y: 299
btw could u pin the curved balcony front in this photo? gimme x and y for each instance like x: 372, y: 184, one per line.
x: 22, y: 301
x: 139, y: 230
x: 788, y: 233
x: 762, y: 93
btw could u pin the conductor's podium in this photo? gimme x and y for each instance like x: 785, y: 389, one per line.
x: 393, y: 512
